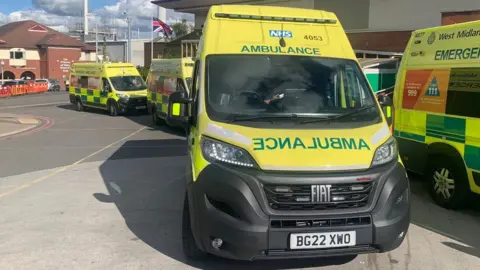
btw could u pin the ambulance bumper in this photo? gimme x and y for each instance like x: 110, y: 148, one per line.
x: 231, y: 204
x: 132, y: 104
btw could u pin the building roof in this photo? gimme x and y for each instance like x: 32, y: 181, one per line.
x: 454, y: 17
x: 32, y: 35
x: 386, y: 41
x: 192, y: 5
x: 373, y: 62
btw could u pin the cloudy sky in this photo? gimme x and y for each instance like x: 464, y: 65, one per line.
x: 62, y: 14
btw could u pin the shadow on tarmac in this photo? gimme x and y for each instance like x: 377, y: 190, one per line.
x: 145, y: 180
x: 137, y: 117
x: 461, y: 226
x: 152, y: 199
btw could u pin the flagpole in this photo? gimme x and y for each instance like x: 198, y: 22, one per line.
x: 151, y: 45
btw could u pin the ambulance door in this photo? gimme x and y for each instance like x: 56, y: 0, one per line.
x: 106, y: 92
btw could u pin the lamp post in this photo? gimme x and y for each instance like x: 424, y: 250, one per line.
x: 96, y: 36
x: 3, y: 69
x: 129, y: 37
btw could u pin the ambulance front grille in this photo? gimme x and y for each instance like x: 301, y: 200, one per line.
x: 299, y: 197
x: 138, y: 100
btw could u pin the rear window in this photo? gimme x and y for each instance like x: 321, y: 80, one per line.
x: 41, y: 81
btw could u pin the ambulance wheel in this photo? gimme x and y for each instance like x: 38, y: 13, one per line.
x: 79, y: 105
x: 112, y: 108
x: 448, y: 182
x: 190, y: 248
x: 155, y: 119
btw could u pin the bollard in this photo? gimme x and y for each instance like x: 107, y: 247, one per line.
x: 35, y: 87
x: 29, y: 88
x: 4, y: 92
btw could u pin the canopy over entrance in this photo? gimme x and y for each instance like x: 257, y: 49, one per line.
x: 192, y: 5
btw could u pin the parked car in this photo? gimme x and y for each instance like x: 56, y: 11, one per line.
x: 14, y: 82
x: 43, y: 81
x: 53, y: 84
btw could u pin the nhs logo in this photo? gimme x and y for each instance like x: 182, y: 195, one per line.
x: 280, y: 33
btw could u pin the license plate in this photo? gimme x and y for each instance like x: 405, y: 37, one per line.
x: 322, y: 240
x: 140, y: 107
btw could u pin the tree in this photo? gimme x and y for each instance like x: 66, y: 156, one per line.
x: 181, y: 28
x: 143, y: 71
x: 104, y: 50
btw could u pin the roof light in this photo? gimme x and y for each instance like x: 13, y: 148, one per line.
x: 274, y: 18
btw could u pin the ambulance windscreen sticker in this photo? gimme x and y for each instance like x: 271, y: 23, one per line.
x: 426, y: 90
x: 432, y: 90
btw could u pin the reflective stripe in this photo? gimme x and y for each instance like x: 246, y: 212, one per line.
x: 380, y: 135
x: 176, y: 109
x: 90, y: 95
x: 317, y: 168
x: 471, y: 157
x: 225, y: 133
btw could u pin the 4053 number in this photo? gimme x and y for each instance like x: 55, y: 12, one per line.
x: 313, y: 37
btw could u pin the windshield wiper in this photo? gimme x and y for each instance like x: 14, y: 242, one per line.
x: 238, y: 118
x: 339, y: 116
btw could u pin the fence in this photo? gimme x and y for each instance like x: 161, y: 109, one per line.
x: 26, y: 89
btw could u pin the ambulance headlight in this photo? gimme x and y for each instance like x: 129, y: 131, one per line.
x: 386, y: 152
x: 216, y: 151
x: 122, y: 96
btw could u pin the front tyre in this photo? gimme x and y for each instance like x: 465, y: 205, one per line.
x: 190, y: 248
x: 79, y: 105
x: 157, y: 121
x: 448, y: 182
x: 112, y: 108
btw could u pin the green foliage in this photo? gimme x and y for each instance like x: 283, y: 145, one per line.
x: 181, y: 28
x: 104, y: 49
x: 143, y: 71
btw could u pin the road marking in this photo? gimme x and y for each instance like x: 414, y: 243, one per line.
x: 87, y: 129
x: 115, y: 187
x: 40, y: 179
x: 27, y: 121
x: 92, y: 147
x: 48, y: 123
x: 16, y: 132
x: 34, y: 105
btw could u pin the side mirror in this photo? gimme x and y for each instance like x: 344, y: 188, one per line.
x: 177, y: 114
x: 385, y: 101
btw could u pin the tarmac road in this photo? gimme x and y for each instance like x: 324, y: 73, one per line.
x: 96, y: 192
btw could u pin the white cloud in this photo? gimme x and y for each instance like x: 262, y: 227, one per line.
x: 60, y: 28
x: 64, y: 14
x: 60, y: 7
x: 3, y: 18
x: 39, y: 16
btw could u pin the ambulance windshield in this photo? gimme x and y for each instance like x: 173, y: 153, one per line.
x: 128, y: 83
x: 282, y: 85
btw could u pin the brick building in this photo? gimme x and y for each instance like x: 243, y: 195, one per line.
x: 29, y: 50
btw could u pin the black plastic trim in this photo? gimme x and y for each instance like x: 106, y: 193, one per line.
x: 229, y: 203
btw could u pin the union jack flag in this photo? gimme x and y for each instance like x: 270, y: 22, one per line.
x: 159, y: 26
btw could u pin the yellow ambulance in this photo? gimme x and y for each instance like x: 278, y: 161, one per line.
x: 290, y: 155
x: 437, y: 115
x: 165, y: 77
x: 115, y: 87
